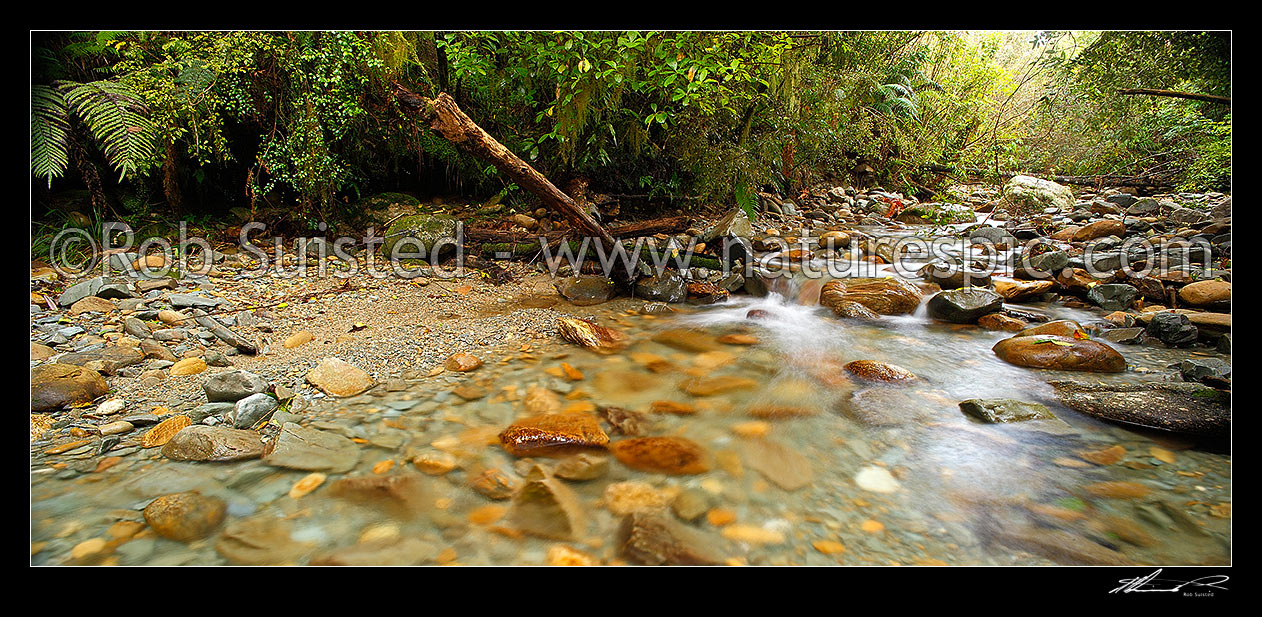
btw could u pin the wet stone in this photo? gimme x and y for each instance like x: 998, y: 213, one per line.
x: 213, y: 443
x: 56, y: 385
x: 311, y: 449
x: 668, y: 455
x: 261, y: 541
x: 545, y: 507
x: 1005, y: 410
x: 872, y: 370
x: 185, y: 517
x: 553, y: 435
x: 232, y: 386
x: 251, y: 410
x: 402, y: 494
x: 1061, y: 353
x: 655, y: 539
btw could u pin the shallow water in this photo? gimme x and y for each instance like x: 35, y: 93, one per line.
x: 896, y: 474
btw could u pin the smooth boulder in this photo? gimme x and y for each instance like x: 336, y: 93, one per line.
x: 964, y: 305
x: 1061, y: 353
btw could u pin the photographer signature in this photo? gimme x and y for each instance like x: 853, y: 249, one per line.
x: 1152, y: 583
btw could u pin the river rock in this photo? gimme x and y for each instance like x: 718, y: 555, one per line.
x: 91, y: 304
x: 585, y: 289
x: 734, y: 224
x: 1199, y: 369
x: 1171, y: 406
x: 337, y: 377
x: 462, y: 362
x: 546, y: 507
x: 188, y: 366
x: 954, y: 276
x: 667, y: 287
x: 1049, y: 262
x: 834, y: 239
x: 668, y: 455
x: 185, y: 517
x: 1003, y: 410
x: 553, y: 435
x: 420, y: 233
x: 261, y: 540
x: 190, y: 300
x: 1058, y: 545
x: 401, y: 494
x: 311, y: 449
x: 1174, y: 329
x: 404, y: 551
x: 1060, y: 327
x: 847, y: 309
x: 872, y: 370
x: 588, y: 334
x: 991, y: 235
x: 1127, y: 336
x: 785, y: 467
x: 232, y: 386
x: 1060, y: 353
x: 250, y: 410
x: 1113, y: 296
x: 214, y: 444
x: 1001, y: 322
x: 1100, y: 229
x: 1027, y: 194
x: 56, y: 385
x: 885, y: 296
x: 1206, y: 293
x: 964, y: 305
x: 106, y: 360
x: 656, y: 539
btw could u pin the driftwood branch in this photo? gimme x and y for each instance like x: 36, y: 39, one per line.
x: 1208, y: 98
x: 445, y: 117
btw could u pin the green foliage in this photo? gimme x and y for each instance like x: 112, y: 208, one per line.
x: 50, y: 133
x: 115, y: 116
x: 1082, y: 125
x: 309, y: 118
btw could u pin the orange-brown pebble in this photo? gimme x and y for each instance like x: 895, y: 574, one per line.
x: 669, y: 455
x: 553, y: 434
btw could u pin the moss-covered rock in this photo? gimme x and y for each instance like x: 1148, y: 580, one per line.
x: 1027, y: 195
x: 425, y: 229
x: 382, y: 201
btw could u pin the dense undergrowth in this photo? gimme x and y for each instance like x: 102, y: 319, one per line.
x: 153, y: 127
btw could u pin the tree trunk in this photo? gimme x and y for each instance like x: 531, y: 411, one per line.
x: 444, y: 116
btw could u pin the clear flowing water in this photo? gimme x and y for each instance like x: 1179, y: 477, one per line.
x: 857, y: 473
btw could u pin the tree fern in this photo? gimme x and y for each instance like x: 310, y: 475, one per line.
x: 50, y: 130
x: 116, y: 116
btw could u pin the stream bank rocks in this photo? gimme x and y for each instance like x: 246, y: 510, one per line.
x: 337, y: 377
x: 57, y: 385
x: 213, y: 444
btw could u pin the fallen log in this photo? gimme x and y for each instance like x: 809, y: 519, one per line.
x: 673, y: 224
x: 1208, y: 98
x: 445, y: 117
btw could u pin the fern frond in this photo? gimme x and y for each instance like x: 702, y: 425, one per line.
x: 50, y: 131
x: 117, y: 118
